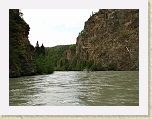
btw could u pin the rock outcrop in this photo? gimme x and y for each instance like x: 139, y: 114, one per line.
x: 21, y: 52
x: 111, y: 38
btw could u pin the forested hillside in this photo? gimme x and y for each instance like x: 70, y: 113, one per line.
x: 64, y: 58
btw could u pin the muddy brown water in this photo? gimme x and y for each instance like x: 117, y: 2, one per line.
x: 76, y: 88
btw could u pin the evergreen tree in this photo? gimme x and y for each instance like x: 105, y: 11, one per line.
x: 37, y: 48
x: 43, y: 63
x: 37, y: 44
x: 42, y: 50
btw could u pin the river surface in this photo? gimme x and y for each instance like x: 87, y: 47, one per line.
x: 76, y: 88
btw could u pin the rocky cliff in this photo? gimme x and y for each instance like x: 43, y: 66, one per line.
x: 111, y: 38
x: 21, y: 52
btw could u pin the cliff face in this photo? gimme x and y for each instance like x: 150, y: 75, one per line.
x: 111, y: 39
x: 27, y: 62
x: 21, y: 57
x: 70, y: 52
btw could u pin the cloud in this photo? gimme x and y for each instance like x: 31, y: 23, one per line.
x: 55, y: 26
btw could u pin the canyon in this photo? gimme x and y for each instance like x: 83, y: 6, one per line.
x: 109, y: 41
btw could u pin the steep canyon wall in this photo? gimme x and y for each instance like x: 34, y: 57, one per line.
x: 21, y: 52
x: 111, y: 38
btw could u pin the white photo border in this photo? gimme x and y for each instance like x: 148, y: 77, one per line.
x: 142, y: 109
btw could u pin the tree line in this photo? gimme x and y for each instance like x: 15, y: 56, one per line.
x: 57, y: 58
x: 43, y: 62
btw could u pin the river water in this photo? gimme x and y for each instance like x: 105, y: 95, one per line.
x: 76, y: 88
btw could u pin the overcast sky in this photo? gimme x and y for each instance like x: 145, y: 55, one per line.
x: 55, y: 26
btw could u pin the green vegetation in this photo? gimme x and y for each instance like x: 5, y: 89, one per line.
x: 58, y: 56
x: 80, y: 33
x: 43, y: 62
x: 111, y: 67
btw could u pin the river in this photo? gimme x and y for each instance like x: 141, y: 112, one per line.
x: 76, y: 88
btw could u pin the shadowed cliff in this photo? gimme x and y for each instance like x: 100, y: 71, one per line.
x: 21, y: 52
